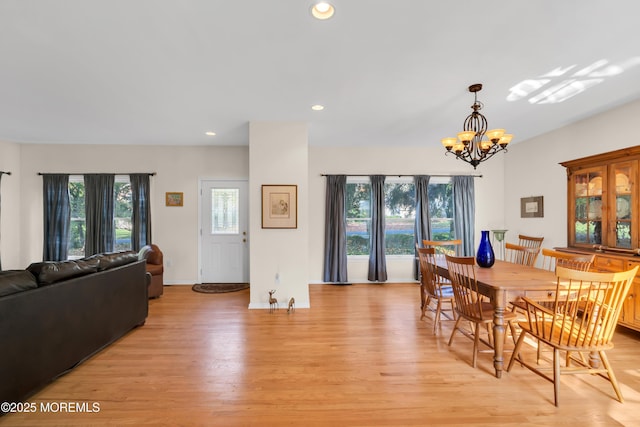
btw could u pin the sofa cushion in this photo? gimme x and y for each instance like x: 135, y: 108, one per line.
x: 14, y: 281
x: 49, y: 272
x: 114, y: 259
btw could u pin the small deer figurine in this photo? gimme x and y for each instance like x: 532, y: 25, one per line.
x: 273, y: 303
x: 292, y: 305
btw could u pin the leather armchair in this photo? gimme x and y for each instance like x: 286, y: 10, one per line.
x: 155, y: 266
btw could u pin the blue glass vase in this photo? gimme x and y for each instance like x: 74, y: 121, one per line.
x: 485, y: 256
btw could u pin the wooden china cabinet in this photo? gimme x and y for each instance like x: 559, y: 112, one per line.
x: 603, y: 215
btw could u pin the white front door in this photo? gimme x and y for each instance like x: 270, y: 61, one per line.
x: 224, y: 234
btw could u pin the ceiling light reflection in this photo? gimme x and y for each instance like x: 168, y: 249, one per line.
x: 559, y: 91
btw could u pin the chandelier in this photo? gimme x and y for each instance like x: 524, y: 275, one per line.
x: 472, y: 148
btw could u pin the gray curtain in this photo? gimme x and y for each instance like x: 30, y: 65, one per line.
x: 99, y: 204
x: 57, y: 216
x: 377, y: 260
x: 141, y: 216
x: 335, y: 230
x: 464, y: 212
x: 422, y: 229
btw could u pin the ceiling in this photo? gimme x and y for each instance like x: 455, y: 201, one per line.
x: 388, y: 72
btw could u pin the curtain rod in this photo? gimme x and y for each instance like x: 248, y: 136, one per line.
x: 6, y: 173
x: 98, y: 173
x: 400, y: 175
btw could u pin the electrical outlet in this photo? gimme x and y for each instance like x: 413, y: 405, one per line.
x: 277, y: 278
x: 169, y: 263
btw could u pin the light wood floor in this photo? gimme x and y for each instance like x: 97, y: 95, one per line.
x: 359, y: 357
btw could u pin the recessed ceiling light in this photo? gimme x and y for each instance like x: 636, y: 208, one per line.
x: 317, y: 107
x: 322, y: 10
x: 210, y: 133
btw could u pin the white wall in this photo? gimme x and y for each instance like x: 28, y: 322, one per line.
x: 174, y: 229
x: 532, y: 169
x: 390, y: 161
x: 279, y: 155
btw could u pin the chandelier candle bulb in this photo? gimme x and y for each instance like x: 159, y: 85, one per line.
x: 505, y: 139
x: 494, y: 135
x: 448, y: 143
x: 466, y: 137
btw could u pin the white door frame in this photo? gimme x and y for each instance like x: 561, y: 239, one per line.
x: 200, y: 224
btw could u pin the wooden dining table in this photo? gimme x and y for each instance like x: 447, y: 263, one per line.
x: 505, y: 282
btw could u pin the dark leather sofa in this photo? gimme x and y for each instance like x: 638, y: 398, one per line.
x: 55, y: 315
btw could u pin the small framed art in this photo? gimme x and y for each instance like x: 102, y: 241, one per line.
x: 279, y: 206
x: 531, y: 207
x: 174, y: 199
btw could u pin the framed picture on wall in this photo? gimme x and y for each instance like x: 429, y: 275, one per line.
x: 174, y: 199
x: 531, y: 207
x: 279, y: 206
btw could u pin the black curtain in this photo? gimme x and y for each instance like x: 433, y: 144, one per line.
x: 99, y: 205
x: 377, y: 260
x: 464, y: 212
x: 422, y: 227
x: 335, y: 230
x: 57, y: 216
x: 141, y: 216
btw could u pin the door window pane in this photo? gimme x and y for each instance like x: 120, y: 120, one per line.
x: 623, y: 206
x: 225, y: 210
x: 623, y: 234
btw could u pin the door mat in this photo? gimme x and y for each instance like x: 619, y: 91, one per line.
x: 217, y: 288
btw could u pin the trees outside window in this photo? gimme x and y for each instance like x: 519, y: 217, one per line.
x: 441, y: 208
x: 122, y: 215
x: 400, y: 208
x: 78, y: 227
x: 358, y: 206
x: 123, y: 211
x: 400, y: 217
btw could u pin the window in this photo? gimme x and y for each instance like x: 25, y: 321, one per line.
x: 122, y: 215
x: 400, y: 217
x: 78, y: 219
x: 225, y: 210
x: 441, y: 208
x: 400, y: 213
x: 122, y: 212
x: 358, y: 206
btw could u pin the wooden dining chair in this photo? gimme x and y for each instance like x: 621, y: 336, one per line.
x: 469, y: 304
x: 433, y: 290
x: 529, y: 241
x: 522, y: 255
x: 552, y: 258
x: 444, y: 247
x: 451, y: 247
x: 591, y: 304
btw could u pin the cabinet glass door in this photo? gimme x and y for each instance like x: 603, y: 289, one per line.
x: 588, y: 207
x: 623, y: 177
